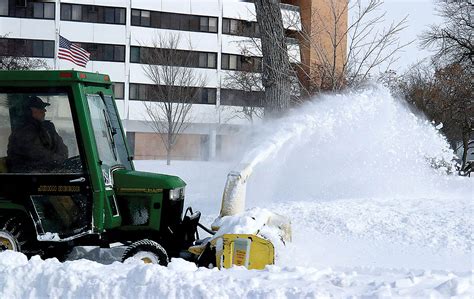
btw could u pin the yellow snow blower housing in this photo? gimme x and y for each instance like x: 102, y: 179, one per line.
x: 245, y: 250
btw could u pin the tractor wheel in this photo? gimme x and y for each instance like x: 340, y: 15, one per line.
x: 148, y: 251
x: 15, y: 235
x: 8, y: 242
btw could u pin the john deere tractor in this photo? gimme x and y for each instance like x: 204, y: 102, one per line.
x: 67, y: 179
x: 89, y: 192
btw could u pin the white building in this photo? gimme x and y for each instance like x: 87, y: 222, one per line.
x: 116, y: 31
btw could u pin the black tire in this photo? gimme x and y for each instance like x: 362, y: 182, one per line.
x: 148, y: 251
x: 17, y: 234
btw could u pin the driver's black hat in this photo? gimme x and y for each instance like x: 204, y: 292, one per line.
x: 36, y: 102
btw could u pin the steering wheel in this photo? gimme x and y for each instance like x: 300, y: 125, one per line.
x: 73, y: 163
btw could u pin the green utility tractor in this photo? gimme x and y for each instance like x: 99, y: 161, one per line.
x: 67, y: 177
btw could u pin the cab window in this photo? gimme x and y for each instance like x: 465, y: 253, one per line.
x: 37, y: 133
x: 108, y: 134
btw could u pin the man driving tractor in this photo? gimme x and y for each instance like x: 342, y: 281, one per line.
x: 35, y: 146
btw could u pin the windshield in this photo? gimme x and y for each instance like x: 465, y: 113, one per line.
x: 108, y: 134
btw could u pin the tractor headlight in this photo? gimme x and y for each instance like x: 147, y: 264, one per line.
x: 177, y: 194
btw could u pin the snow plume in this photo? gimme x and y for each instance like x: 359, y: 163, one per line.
x: 352, y: 145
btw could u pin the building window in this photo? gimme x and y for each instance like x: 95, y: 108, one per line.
x: 105, y: 52
x: 240, y: 27
x: 173, y: 21
x: 136, y: 17
x: 3, y: 8
x: 139, y: 92
x: 93, y: 13
x: 211, y: 60
x: 208, y: 96
x: 234, y: 97
x: 204, y: 24
x: 26, y: 48
x: 119, y: 53
x: 109, y: 15
x: 118, y: 89
x: 133, y: 91
x: 141, y: 18
x: 119, y: 15
x: 43, y: 48
x: 27, y: 9
x: 173, y: 57
x: 66, y: 12
x: 232, y: 62
x: 135, y: 54
x: 38, y: 10
x: 207, y: 60
x: 144, y: 92
x: 145, y: 18
x: 241, y: 63
x: 208, y: 24
x: 76, y: 12
x: 184, y: 23
x: 212, y: 24
x: 48, y: 10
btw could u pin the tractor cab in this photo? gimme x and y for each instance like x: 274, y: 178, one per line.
x: 66, y: 174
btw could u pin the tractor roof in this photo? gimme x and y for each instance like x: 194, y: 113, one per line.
x: 54, y: 76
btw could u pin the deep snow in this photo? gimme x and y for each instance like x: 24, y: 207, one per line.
x: 370, y: 217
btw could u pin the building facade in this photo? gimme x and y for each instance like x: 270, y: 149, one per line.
x: 216, y: 33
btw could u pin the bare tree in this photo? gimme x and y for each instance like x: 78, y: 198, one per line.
x: 346, y: 52
x: 175, y: 88
x: 275, y: 62
x: 453, y: 38
x: 17, y: 60
x: 251, y: 96
x: 445, y: 95
x: 336, y: 52
x: 452, y: 80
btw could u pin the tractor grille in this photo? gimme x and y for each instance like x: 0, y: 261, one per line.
x: 172, y: 212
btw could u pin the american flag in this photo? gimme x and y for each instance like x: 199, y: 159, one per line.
x: 72, y: 52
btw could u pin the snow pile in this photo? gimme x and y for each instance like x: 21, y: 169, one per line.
x: 36, y: 278
x: 256, y: 221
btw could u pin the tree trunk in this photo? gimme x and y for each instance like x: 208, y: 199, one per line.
x: 276, y: 64
x: 169, y: 148
x: 465, y: 144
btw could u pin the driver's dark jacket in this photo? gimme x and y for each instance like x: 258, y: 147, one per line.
x: 35, y: 147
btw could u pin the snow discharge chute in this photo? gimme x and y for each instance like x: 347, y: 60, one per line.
x: 234, y: 196
x: 244, y: 237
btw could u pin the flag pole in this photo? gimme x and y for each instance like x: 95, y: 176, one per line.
x: 57, y: 31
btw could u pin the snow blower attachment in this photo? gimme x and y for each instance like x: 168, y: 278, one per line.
x: 244, y: 238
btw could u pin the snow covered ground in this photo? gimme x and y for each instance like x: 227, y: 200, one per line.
x: 370, y: 218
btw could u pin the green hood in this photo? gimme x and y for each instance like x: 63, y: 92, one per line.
x: 145, y: 181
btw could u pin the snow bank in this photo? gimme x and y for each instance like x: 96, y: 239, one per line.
x: 36, y: 278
